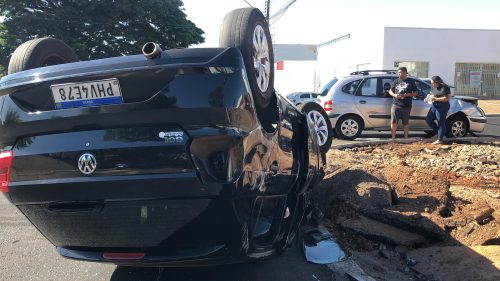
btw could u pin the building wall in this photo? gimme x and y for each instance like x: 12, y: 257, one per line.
x: 296, y: 76
x: 441, y: 48
x: 297, y: 71
x: 363, y: 50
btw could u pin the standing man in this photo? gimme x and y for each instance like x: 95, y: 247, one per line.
x: 402, y: 91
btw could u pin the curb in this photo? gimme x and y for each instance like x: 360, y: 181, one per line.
x: 467, y: 140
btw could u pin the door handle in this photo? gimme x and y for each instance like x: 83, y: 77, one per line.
x: 362, y: 101
x: 76, y: 207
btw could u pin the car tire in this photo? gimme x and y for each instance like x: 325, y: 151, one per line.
x: 241, y: 28
x: 456, y: 127
x: 349, y: 127
x: 40, y: 52
x: 317, y: 115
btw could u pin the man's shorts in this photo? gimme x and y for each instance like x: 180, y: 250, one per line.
x: 398, y: 112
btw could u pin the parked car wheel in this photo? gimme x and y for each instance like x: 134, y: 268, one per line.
x: 456, y: 127
x: 248, y: 30
x: 322, y: 125
x: 40, y: 52
x: 349, y: 127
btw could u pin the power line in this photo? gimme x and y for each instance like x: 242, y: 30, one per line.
x: 274, y: 18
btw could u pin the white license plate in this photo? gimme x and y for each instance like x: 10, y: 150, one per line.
x: 91, y: 93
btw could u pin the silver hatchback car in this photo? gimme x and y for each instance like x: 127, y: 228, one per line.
x: 360, y: 101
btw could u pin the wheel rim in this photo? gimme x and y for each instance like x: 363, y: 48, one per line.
x: 261, y: 60
x: 349, y: 127
x: 319, y: 126
x: 458, y: 129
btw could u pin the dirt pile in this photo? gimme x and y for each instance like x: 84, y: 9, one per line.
x: 435, y: 196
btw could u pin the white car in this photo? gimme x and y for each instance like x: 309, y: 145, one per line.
x: 303, y: 97
x: 360, y: 102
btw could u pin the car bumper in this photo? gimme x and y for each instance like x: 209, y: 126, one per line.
x: 333, y: 118
x: 477, y: 124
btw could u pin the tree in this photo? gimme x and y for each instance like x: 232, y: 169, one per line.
x: 2, y: 43
x: 97, y: 28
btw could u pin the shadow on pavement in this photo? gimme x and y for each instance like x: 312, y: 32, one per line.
x: 289, y: 266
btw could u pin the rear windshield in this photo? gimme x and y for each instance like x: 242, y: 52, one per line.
x: 327, y: 87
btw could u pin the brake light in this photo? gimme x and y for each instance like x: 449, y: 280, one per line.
x: 5, y: 164
x: 328, y: 106
x: 123, y: 256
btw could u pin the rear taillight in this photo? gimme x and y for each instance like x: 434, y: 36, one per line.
x: 123, y: 256
x: 5, y: 164
x: 328, y: 106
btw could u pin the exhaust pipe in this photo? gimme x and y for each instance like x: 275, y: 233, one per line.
x: 151, y: 50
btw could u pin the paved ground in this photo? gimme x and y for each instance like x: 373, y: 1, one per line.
x: 490, y: 107
x: 26, y: 255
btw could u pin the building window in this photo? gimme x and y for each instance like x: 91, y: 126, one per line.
x: 415, y: 68
x: 477, y: 79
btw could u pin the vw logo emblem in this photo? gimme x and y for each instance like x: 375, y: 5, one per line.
x: 87, y: 163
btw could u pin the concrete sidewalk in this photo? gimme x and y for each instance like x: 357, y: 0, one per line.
x: 490, y: 107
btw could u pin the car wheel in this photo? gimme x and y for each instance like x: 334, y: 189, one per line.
x: 40, y: 52
x: 248, y: 30
x: 324, y: 132
x: 456, y: 127
x: 349, y: 127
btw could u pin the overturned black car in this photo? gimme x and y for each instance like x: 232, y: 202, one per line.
x: 176, y: 157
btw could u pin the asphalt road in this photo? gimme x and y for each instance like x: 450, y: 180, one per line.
x: 27, y: 255
x: 492, y: 129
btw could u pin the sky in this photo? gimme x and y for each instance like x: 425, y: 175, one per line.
x: 318, y: 21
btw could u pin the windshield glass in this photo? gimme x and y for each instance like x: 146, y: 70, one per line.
x: 327, y: 87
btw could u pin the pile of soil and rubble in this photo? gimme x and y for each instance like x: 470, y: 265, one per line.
x: 394, y: 207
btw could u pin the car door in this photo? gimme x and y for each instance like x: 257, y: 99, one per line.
x: 420, y: 108
x: 372, y: 103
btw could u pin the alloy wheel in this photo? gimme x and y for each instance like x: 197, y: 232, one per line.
x: 261, y: 60
x: 319, y: 126
x: 349, y: 127
x: 458, y: 129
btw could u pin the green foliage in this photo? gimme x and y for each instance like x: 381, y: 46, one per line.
x: 97, y: 28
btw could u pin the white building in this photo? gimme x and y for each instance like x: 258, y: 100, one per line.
x: 295, y: 67
x: 469, y: 59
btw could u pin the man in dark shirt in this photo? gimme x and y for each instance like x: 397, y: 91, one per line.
x: 402, y: 91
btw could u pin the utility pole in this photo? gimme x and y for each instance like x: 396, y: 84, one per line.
x: 266, y: 9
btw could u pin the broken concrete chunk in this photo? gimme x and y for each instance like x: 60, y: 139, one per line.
x: 382, y: 232
x: 351, y: 269
x: 479, y: 211
x: 458, y: 262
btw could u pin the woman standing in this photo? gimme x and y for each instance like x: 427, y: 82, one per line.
x: 439, y: 96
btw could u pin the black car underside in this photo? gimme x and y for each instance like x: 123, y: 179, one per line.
x: 188, y: 170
